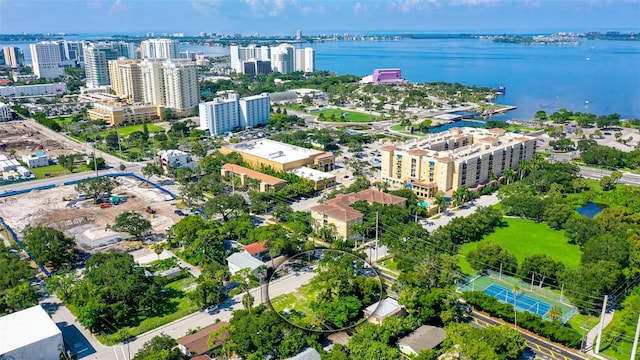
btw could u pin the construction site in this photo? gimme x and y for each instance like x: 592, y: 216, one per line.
x: 26, y: 139
x: 63, y: 208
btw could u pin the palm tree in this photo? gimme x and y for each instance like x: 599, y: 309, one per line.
x: 555, y: 313
x: 523, y: 168
x: 441, y: 202
x: 509, y: 174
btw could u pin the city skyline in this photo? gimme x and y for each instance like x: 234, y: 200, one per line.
x: 285, y: 17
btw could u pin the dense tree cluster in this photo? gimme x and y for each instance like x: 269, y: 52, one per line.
x: 16, y: 292
x: 113, y: 291
x: 48, y: 246
x: 160, y: 347
x: 494, y: 342
x: 600, y: 155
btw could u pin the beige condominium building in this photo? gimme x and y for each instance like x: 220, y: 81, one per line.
x: 339, y: 214
x: 280, y: 156
x: 265, y: 182
x: 455, y: 158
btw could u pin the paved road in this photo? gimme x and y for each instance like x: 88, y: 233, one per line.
x: 466, y: 210
x: 543, y: 349
x: 627, y: 178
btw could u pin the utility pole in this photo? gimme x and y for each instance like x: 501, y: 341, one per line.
x: 601, y: 326
x: 377, y: 223
x: 95, y: 144
x: 119, y: 145
x: 634, y: 349
x: 233, y: 183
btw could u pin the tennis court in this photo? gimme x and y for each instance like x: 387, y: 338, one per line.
x: 521, y: 301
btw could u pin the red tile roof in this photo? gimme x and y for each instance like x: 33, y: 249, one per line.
x: 498, y: 131
x: 268, y: 179
x: 340, y: 207
x: 417, y: 152
x: 198, y: 343
x: 388, y: 148
x: 324, y: 155
x: 256, y: 247
x: 445, y: 159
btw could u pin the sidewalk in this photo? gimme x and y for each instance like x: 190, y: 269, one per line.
x: 590, y: 342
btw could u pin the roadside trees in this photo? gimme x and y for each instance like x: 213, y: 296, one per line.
x: 224, y: 205
x: 49, y: 246
x: 210, y: 288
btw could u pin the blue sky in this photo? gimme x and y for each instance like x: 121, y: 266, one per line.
x: 283, y: 17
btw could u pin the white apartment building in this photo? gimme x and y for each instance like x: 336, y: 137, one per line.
x: 305, y: 60
x: 5, y: 112
x: 173, y: 159
x: 223, y: 115
x: 45, y: 57
x: 181, y: 85
x: 282, y: 58
x: 38, y: 159
x: 160, y: 49
x: 13, y: 56
x: 152, y: 82
x: 96, y: 64
x: 240, y: 54
x: 255, y: 110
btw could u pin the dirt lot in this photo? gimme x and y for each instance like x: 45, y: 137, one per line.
x: 20, y: 136
x: 84, y: 220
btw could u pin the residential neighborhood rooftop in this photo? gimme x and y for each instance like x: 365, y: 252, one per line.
x: 423, y: 338
x: 198, y: 343
x: 267, y: 179
x: 256, y: 247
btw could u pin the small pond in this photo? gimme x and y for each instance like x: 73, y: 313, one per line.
x: 591, y: 209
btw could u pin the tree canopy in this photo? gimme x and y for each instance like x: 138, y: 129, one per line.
x: 49, y: 246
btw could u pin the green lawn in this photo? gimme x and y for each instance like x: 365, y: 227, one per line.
x: 177, y: 299
x: 125, y: 131
x: 524, y: 238
x: 350, y: 115
x: 297, y: 305
x: 55, y: 170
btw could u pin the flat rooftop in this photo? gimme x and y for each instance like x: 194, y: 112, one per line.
x: 312, y: 174
x: 25, y: 327
x: 274, y: 151
x: 479, y: 141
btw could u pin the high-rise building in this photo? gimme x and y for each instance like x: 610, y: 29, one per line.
x: 128, y: 50
x: 305, y: 60
x: 240, y: 54
x: 45, y: 57
x: 96, y: 63
x: 181, y: 85
x: 255, y: 67
x: 282, y: 58
x: 152, y: 82
x: 13, y: 56
x: 255, y: 110
x: 126, y: 79
x: 452, y: 159
x: 224, y: 115
x: 160, y: 49
x: 73, y: 51
x: 299, y: 35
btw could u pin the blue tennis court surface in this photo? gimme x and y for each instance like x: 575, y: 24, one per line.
x: 522, y: 302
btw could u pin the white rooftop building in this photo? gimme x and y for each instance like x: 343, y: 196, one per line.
x: 30, y: 334
x: 173, y: 159
x: 5, y: 112
x: 224, y: 115
x: 38, y: 159
x: 241, y: 260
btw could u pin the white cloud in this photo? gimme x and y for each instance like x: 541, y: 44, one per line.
x: 269, y: 7
x: 407, y: 6
x: 118, y: 8
x: 206, y: 7
x: 472, y: 2
x: 359, y: 8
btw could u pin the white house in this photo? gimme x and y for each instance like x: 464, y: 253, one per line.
x: 38, y: 159
x: 241, y: 260
x: 5, y: 112
x: 30, y: 334
x: 173, y: 159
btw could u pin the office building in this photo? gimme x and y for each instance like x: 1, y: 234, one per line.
x: 455, y: 158
x: 338, y: 214
x: 256, y: 67
x: 13, y: 56
x: 127, y: 50
x: 126, y: 79
x: 34, y: 90
x: 224, y: 115
x: 96, y: 64
x: 73, y: 51
x: 30, y: 334
x: 265, y: 182
x: 240, y: 54
x: 181, y: 85
x: 45, y: 58
x: 114, y: 113
x: 160, y: 49
x: 279, y: 156
x: 305, y: 60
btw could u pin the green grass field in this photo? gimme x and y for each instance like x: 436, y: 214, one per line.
x: 297, y: 305
x: 524, y: 238
x: 55, y: 170
x: 125, y: 131
x: 350, y: 116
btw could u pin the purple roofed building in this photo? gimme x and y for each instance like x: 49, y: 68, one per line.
x: 387, y: 76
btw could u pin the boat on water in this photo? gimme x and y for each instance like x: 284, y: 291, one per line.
x: 501, y: 89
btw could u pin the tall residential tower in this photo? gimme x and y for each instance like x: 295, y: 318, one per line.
x: 46, y: 60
